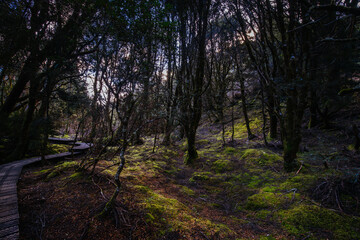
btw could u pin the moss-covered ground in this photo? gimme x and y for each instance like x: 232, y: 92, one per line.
x: 234, y: 191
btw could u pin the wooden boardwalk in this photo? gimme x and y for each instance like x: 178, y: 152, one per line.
x: 9, y: 175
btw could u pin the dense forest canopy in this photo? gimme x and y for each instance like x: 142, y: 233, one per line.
x: 168, y: 62
x: 114, y: 72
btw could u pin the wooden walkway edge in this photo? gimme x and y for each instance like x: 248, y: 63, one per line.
x: 9, y: 175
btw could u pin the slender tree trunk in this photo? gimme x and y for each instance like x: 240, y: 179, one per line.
x: 313, y: 109
x: 244, y: 108
x: 272, y: 116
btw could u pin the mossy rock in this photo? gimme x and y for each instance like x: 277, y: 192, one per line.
x: 200, y: 176
x: 260, y: 157
x: 270, y: 200
x: 221, y: 166
x: 301, y: 182
x: 314, y: 222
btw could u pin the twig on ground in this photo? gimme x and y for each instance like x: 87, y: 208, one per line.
x: 302, y: 163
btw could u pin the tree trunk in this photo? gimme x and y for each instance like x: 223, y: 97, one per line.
x: 244, y: 108
x: 272, y: 116
x: 191, y: 154
x: 23, y: 143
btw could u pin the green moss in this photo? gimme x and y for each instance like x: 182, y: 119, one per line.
x: 221, y: 166
x: 52, y: 175
x: 76, y: 175
x: 203, y: 142
x: 230, y: 150
x: 170, y: 214
x: 319, y: 223
x: 42, y: 171
x: 55, y: 171
x: 261, y: 157
x: 57, y: 148
x: 265, y: 200
x: 254, y: 181
x: 269, y: 189
x: 200, y: 176
x: 172, y: 170
x: 187, y: 191
x: 263, y: 214
x: 300, y: 182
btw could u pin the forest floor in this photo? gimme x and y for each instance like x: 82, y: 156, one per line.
x: 233, y: 191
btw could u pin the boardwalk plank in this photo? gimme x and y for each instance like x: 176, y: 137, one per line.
x: 12, y: 236
x: 9, y: 231
x: 9, y: 175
